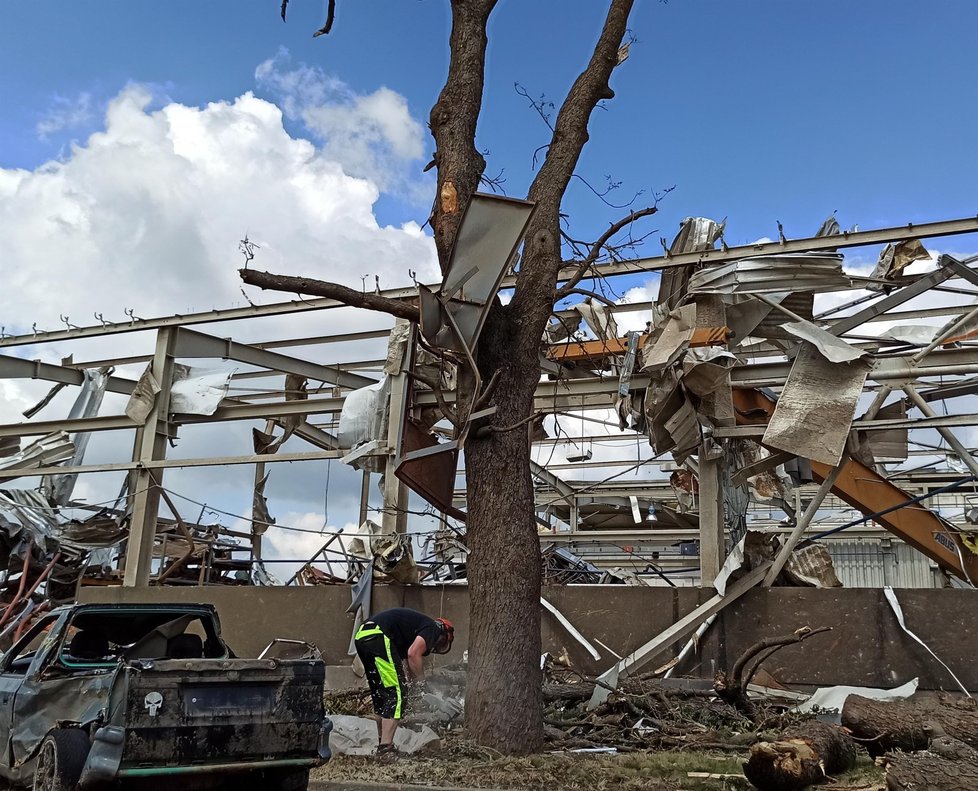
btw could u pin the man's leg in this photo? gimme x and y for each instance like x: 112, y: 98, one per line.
x: 387, y: 728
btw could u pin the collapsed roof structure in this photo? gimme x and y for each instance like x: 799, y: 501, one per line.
x: 776, y: 390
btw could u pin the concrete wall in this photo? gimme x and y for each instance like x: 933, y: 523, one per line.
x: 865, y: 647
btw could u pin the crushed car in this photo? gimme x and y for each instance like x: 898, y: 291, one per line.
x: 98, y: 694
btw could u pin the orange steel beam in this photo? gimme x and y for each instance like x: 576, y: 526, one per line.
x: 598, y: 350
x: 916, y: 524
x: 870, y: 493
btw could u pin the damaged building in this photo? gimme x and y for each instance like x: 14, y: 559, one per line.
x: 775, y: 420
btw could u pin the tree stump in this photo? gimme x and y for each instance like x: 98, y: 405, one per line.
x: 803, y: 756
x: 900, y: 725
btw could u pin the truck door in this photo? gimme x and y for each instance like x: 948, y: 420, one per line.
x: 14, y: 668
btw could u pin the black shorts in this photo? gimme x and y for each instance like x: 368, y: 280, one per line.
x: 384, y: 668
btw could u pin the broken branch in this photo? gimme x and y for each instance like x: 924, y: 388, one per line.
x: 732, y: 687
x: 322, y: 288
x: 568, y: 288
x: 486, y: 431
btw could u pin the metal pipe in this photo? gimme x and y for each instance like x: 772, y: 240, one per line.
x: 948, y: 435
x: 949, y: 332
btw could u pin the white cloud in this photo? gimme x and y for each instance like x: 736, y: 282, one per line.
x: 66, y: 113
x: 372, y: 135
x: 146, y: 214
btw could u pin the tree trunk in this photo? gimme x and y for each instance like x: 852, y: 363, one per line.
x: 930, y: 772
x: 899, y: 725
x: 503, y: 698
x: 803, y: 756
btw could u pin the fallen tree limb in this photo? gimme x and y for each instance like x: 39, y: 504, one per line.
x: 322, y: 288
x: 900, y: 725
x: 927, y: 770
x: 803, y: 756
x: 732, y: 687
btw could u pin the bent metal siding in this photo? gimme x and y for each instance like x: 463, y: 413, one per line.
x: 865, y: 647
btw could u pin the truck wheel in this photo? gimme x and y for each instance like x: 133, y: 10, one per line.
x: 60, y: 760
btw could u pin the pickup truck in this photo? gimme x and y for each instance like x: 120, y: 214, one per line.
x: 95, y: 695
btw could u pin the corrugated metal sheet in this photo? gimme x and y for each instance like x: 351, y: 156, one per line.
x: 873, y: 563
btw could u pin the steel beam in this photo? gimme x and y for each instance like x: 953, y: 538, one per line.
x: 166, y: 464
x: 150, y: 446
x: 613, y: 269
x: 190, y: 343
x: 18, y: 368
x: 840, y: 326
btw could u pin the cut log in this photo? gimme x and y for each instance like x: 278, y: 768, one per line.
x: 928, y: 771
x: 803, y: 756
x: 899, y: 725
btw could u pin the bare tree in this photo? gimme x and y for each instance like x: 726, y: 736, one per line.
x: 503, y: 695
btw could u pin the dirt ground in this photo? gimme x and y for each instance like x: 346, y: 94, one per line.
x: 464, y: 765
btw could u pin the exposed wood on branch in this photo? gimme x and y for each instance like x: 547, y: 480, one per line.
x: 322, y: 288
x: 803, y: 756
x: 453, y: 121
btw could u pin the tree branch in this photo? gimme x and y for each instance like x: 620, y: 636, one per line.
x: 453, y: 122
x: 598, y: 246
x: 323, y: 288
x: 534, y: 293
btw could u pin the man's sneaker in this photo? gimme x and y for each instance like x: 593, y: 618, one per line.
x: 387, y: 753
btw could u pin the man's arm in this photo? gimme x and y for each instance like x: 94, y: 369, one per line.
x: 415, y: 658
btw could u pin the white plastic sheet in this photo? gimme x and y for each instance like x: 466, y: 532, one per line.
x: 358, y: 736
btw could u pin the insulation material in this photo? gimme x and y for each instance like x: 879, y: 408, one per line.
x: 670, y: 417
x: 358, y: 736
x: 143, y: 396
x: 561, y: 328
x: 894, y: 258
x: 816, y: 407
x: 599, y: 318
x: 669, y: 339
x: 891, y: 444
x: 810, y: 565
x: 397, y: 347
x: 364, y: 418
x: 391, y: 551
x: 705, y: 369
x: 198, y: 391
x: 686, y: 487
x: 829, y: 346
x: 58, y: 488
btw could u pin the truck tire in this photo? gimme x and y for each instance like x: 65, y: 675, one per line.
x: 61, y: 759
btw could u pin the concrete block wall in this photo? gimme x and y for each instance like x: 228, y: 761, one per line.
x: 865, y: 647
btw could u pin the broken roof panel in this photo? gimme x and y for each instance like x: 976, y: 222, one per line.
x: 815, y: 411
x: 785, y: 272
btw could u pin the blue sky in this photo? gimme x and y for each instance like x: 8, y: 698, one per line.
x: 758, y: 111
